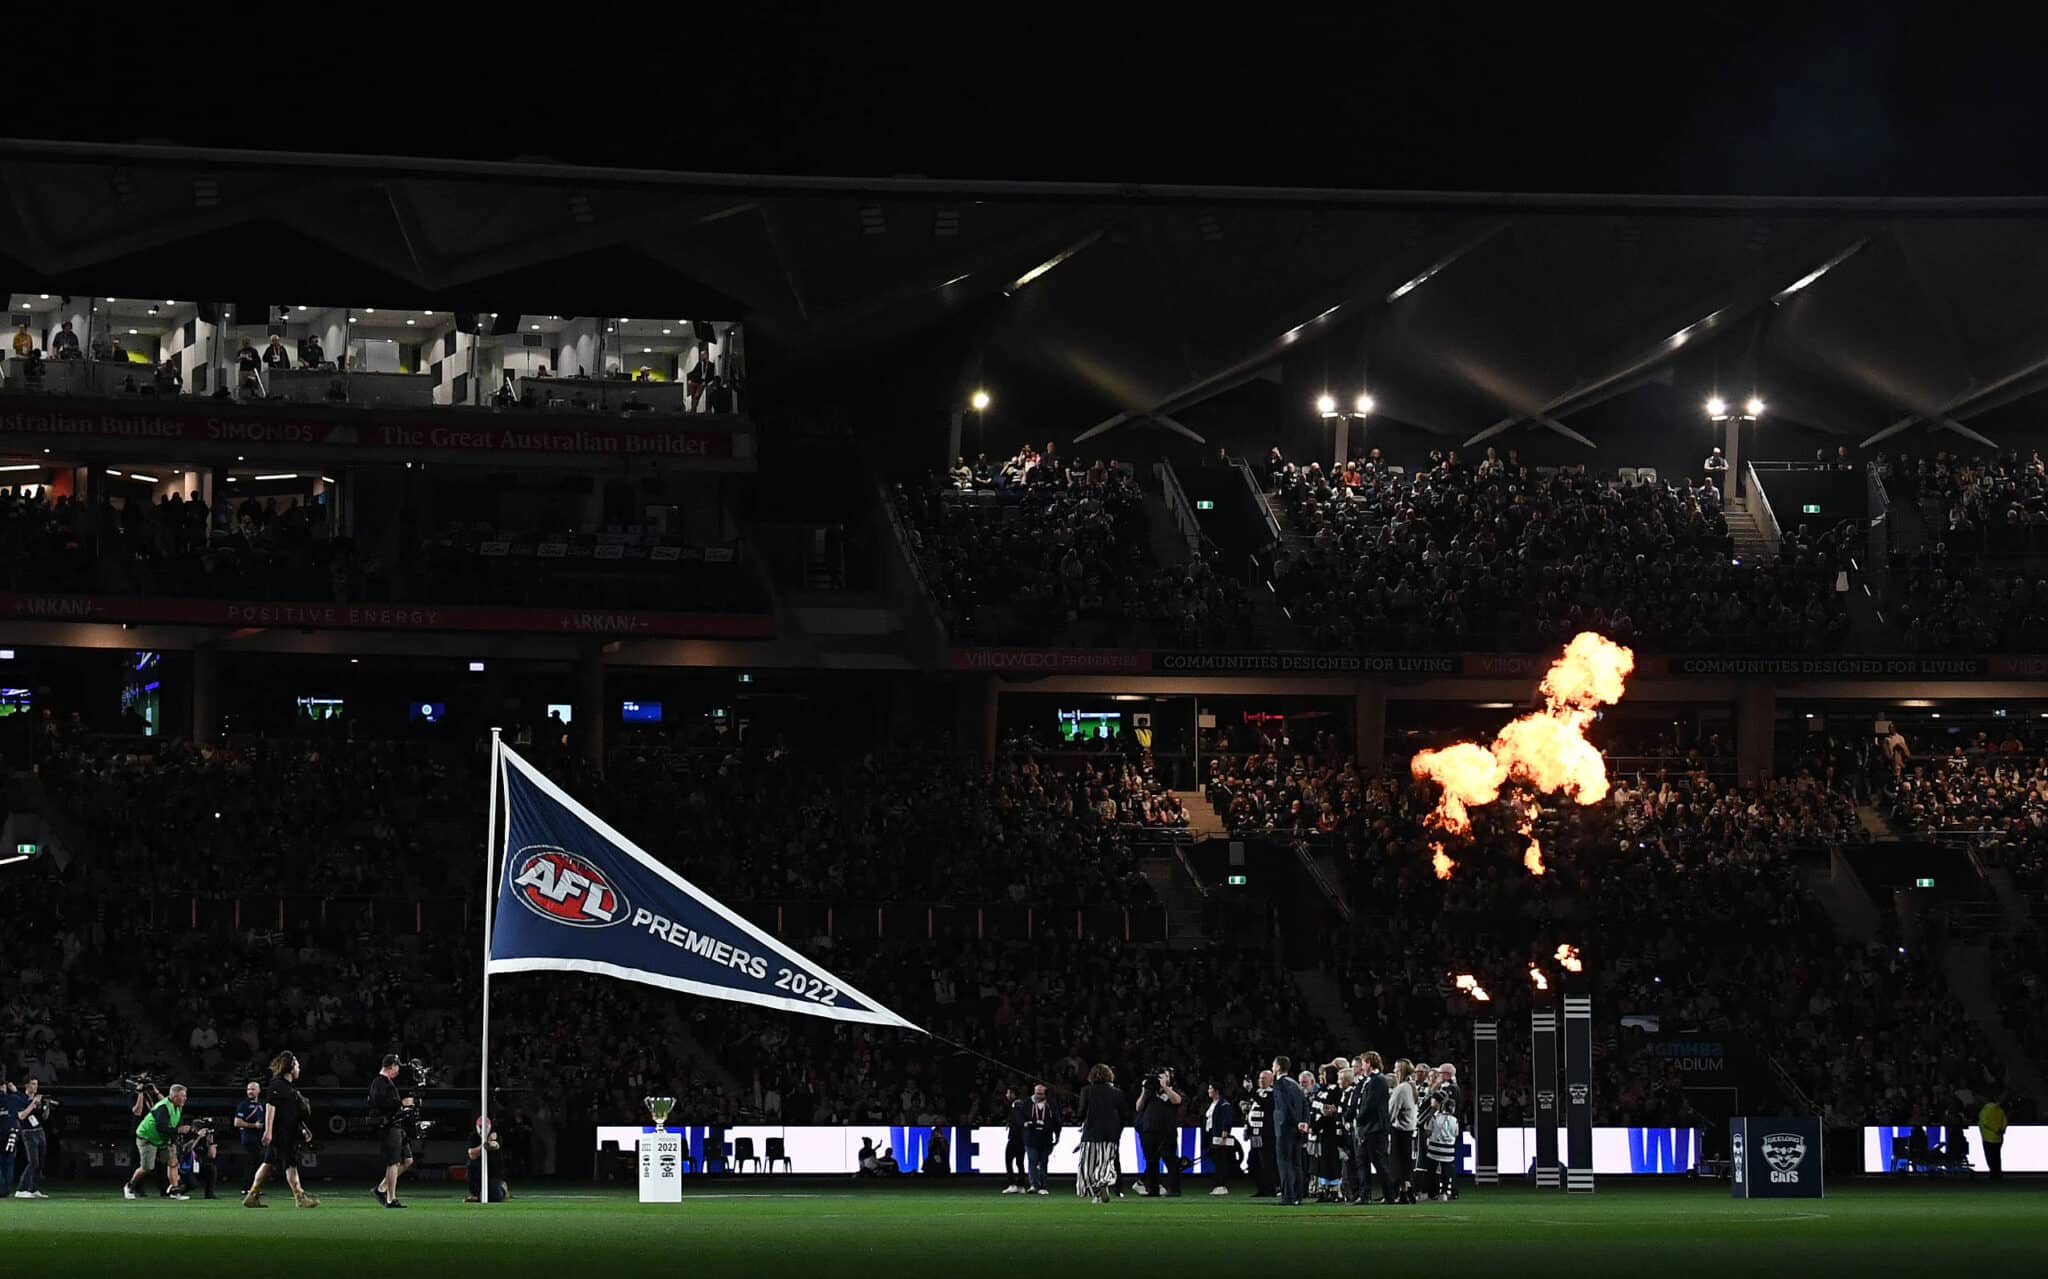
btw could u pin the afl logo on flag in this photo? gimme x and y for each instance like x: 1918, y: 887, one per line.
x: 557, y: 885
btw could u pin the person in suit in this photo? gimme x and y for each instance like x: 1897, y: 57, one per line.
x: 1104, y: 1114
x: 1013, y: 1149
x: 1219, y: 1125
x: 1373, y: 1132
x: 1041, y: 1117
x: 1290, y: 1129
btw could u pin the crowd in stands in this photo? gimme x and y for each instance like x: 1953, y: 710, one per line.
x: 1870, y: 1033
x: 1965, y: 565
x: 1975, y: 499
x: 1045, y: 551
x: 56, y: 1021
x: 1500, y: 554
x: 1949, y: 602
x: 1650, y: 885
x: 283, y: 549
x: 777, y: 825
x: 1991, y: 790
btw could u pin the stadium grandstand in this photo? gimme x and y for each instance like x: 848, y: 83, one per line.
x: 1047, y: 608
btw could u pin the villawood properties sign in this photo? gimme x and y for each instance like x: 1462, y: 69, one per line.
x: 381, y: 617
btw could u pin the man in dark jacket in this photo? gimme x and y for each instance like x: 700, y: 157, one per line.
x: 1373, y: 1132
x: 1290, y: 1130
x: 1041, y: 1118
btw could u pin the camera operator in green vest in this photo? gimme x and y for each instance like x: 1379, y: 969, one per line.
x: 156, y: 1139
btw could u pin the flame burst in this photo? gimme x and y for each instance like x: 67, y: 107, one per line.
x: 1533, y: 857
x: 1568, y: 956
x: 1440, y: 859
x: 1536, y: 975
x: 1470, y: 985
x: 1544, y: 750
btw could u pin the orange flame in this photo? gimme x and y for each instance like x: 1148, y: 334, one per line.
x: 1545, y: 750
x: 1470, y: 985
x: 1568, y: 955
x: 1469, y: 774
x: 1533, y: 858
x: 1536, y: 976
x: 1441, y: 860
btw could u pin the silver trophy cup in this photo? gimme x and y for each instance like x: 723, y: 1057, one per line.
x: 659, y: 1108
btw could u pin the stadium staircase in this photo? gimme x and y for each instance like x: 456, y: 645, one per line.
x: 1164, y: 864
x: 1967, y: 966
x: 1323, y: 997
x: 1204, y: 822
x: 1752, y: 544
x: 2012, y: 903
x: 1841, y: 893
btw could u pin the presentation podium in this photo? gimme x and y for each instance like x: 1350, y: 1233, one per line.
x: 1775, y: 1158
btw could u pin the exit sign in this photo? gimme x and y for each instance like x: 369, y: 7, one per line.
x: 1811, y: 508
x: 1927, y: 882
x: 1204, y: 504
x: 1237, y: 881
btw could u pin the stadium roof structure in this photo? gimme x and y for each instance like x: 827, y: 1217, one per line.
x: 1467, y: 313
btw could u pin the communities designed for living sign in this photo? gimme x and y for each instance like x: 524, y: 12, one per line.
x: 1515, y: 666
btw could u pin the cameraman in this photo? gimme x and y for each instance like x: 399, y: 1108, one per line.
x: 199, y: 1156
x: 161, y: 1128
x: 387, y: 1115
x: 1159, y: 1132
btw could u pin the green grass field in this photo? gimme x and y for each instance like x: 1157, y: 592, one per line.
x: 833, y: 1230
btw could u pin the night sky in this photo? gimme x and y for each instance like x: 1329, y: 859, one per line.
x: 1701, y: 98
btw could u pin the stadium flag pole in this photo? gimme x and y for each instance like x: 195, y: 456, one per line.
x: 483, y: 1192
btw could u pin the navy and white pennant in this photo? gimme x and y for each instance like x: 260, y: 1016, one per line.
x: 574, y: 895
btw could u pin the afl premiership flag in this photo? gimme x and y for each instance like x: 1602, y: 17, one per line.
x: 570, y: 894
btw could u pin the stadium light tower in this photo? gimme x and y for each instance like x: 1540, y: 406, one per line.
x: 1730, y: 417
x: 979, y: 400
x: 1361, y: 408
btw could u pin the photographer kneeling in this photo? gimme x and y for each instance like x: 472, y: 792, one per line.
x: 155, y: 1140
x: 481, y: 1136
x: 389, y: 1113
x: 199, y: 1157
x: 1159, y: 1133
